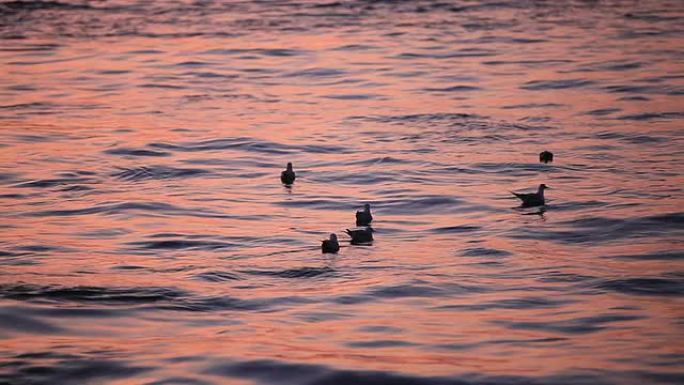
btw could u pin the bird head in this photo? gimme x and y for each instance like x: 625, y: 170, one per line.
x: 289, y: 166
x: 543, y: 187
x: 333, y: 237
x: 366, y: 207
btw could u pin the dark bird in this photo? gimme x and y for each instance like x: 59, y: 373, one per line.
x: 330, y: 245
x: 546, y: 157
x: 361, y: 236
x: 364, y: 218
x: 288, y: 176
x: 533, y: 199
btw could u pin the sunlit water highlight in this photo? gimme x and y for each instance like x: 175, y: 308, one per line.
x: 146, y: 238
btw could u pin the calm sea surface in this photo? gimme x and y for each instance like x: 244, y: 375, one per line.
x: 145, y: 237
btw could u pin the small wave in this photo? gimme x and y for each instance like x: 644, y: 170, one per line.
x: 542, y: 85
x: 303, y: 272
x: 523, y: 303
x: 46, y: 183
x: 459, y: 88
x: 653, y: 116
x: 157, y: 172
x: 583, y: 325
x: 87, y: 294
x: 455, y: 229
x: 135, y: 152
x: 650, y: 286
x: 483, y: 251
x: 249, y: 145
x: 658, y: 256
x: 178, y: 244
x: 218, y: 276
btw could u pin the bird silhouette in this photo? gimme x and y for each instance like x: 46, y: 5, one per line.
x: 330, y: 245
x: 288, y: 176
x: 361, y: 236
x: 364, y: 218
x: 546, y: 157
x: 533, y: 199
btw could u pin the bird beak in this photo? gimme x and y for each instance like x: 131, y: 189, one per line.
x: 548, y: 188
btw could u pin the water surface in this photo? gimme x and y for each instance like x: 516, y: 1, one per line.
x: 146, y: 238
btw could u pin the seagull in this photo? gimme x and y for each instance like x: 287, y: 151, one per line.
x: 330, y: 245
x: 364, y: 218
x: 546, y: 157
x: 288, y: 176
x: 534, y: 199
x: 362, y: 236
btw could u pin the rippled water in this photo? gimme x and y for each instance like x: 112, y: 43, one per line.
x: 146, y: 238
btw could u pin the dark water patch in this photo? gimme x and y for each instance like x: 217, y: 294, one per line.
x: 12, y: 319
x: 76, y: 188
x: 228, y: 303
x: 419, y: 118
x: 354, y: 96
x: 157, y: 172
x: 135, y: 152
x: 406, y: 291
x: 46, y: 183
x: 543, y: 85
x: 533, y: 106
x: 379, y: 344
x: 647, y: 286
x: 523, y: 303
x: 528, y: 63
x: 484, y: 252
x: 561, y: 277
x: 601, y: 229
x: 152, y: 208
x: 12, y: 7
x: 455, y: 229
x: 653, y: 116
x: 420, y: 205
x: 636, y: 98
x: 379, y: 329
x: 290, y: 373
x: 603, y: 111
x: 162, y: 86
x: 269, y: 52
x: 303, y: 272
x: 128, y: 267
x: 631, y: 138
x: 72, y: 371
x: 583, y: 325
x: 461, y: 53
x: 528, y: 342
x: 182, y: 244
x: 89, y: 294
x: 318, y: 73
x: 218, y: 276
x: 657, y: 256
x: 657, y: 89
x: 113, y: 72
x: 249, y: 145
x: 458, y: 88
x: 177, y: 380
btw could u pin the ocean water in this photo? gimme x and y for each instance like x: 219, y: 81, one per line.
x: 145, y: 237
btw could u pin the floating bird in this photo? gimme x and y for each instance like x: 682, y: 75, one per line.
x: 361, y: 236
x: 330, y: 245
x: 533, y: 199
x: 546, y: 157
x: 288, y: 176
x: 364, y: 218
